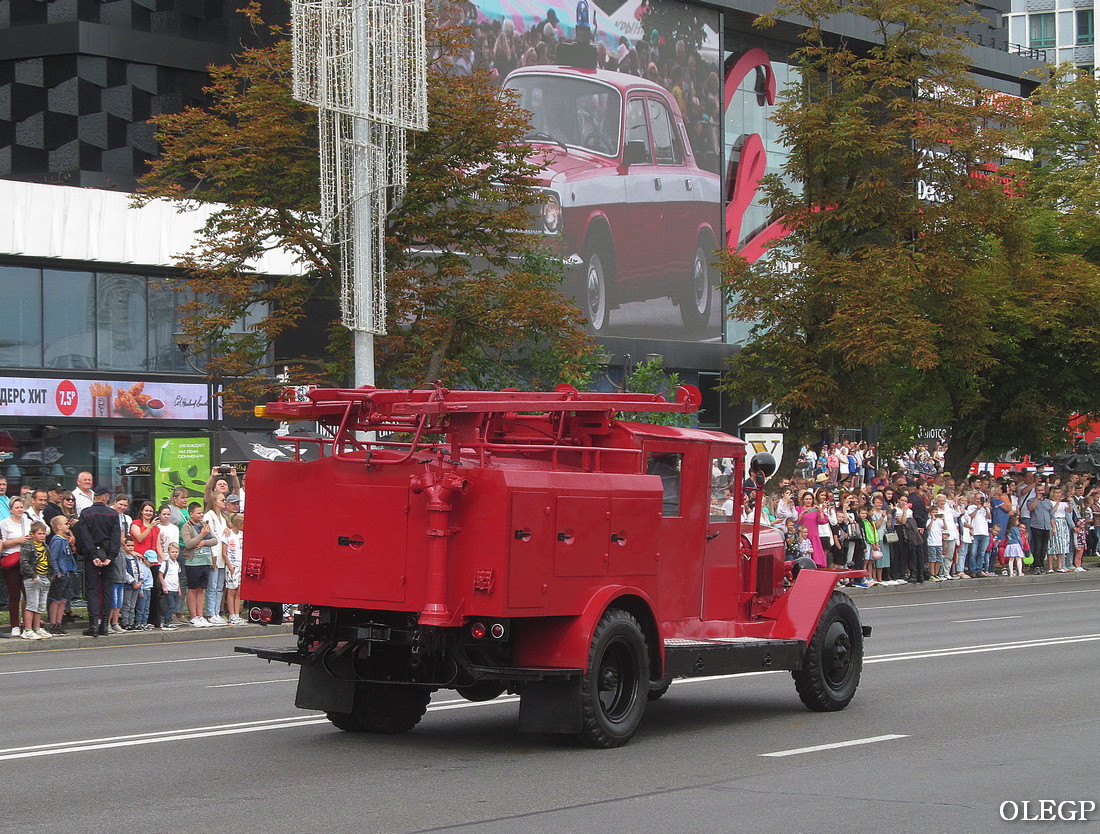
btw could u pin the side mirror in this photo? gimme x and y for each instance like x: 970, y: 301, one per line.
x: 762, y: 466
x: 635, y: 152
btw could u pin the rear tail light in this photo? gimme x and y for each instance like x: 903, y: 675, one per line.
x: 478, y: 631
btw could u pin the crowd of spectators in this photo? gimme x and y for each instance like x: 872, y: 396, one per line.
x: 920, y: 524
x: 177, y: 563
x: 499, y: 46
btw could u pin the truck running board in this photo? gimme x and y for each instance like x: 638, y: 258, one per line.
x: 730, y: 656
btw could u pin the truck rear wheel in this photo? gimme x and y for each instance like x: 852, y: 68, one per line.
x: 383, y: 708
x: 614, y: 689
x: 831, y: 668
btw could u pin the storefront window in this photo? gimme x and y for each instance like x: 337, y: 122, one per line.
x: 165, y: 299
x: 44, y: 455
x: 122, y: 321
x: 20, y: 317
x: 69, y: 319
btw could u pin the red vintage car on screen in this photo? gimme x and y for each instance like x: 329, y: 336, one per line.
x: 633, y: 211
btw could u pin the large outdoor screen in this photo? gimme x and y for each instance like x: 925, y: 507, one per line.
x: 625, y: 112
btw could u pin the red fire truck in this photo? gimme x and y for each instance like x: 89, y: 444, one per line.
x: 535, y: 543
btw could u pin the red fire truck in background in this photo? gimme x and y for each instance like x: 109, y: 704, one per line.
x: 534, y: 543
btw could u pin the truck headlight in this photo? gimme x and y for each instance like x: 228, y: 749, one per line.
x: 551, y: 214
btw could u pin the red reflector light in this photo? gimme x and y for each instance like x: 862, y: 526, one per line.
x: 497, y: 631
x: 478, y: 631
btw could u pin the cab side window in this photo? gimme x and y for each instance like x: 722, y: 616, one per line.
x: 721, y: 489
x: 667, y: 465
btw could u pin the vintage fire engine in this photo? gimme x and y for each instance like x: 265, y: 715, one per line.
x: 535, y: 543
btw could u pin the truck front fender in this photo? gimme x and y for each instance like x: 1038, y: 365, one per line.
x: 563, y: 642
x: 796, y: 613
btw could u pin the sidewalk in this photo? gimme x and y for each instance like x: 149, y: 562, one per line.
x: 76, y: 640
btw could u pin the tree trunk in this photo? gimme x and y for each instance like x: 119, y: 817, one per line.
x: 794, y: 436
x: 435, y: 363
x: 962, y: 451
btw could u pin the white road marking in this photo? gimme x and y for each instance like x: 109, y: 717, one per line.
x: 118, y: 665
x: 246, y: 683
x: 834, y: 746
x: 308, y: 720
x: 979, y: 599
x: 989, y: 647
x: 989, y: 619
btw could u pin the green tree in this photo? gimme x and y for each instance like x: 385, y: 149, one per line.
x: 650, y: 377
x: 904, y: 284
x: 473, y: 300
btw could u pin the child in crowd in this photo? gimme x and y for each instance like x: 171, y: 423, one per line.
x: 145, y: 598
x: 232, y: 547
x: 790, y: 539
x: 990, y: 563
x: 1025, y: 542
x: 63, y: 573
x: 934, y: 543
x: 132, y: 587
x: 34, y: 567
x: 805, y: 546
x: 170, y: 584
x: 1080, y: 539
x: 1014, y: 553
x: 874, y: 546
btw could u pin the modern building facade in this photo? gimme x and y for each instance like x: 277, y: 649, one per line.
x: 89, y: 295
x: 1063, y: 30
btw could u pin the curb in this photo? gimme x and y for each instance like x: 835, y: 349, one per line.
x: 76, y: 640
x: 978, y: 582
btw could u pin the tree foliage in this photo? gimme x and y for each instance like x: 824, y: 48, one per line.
x: 473, y: 300
x: 650, y: 377
x: 907, y: 291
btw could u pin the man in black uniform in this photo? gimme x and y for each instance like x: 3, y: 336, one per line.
x: 97, y: 540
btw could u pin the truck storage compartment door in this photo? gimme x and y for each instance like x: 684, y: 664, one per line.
x: 635, y: 532
x: 582, y: 532
x: 532, y: 531
x: 365, y: 550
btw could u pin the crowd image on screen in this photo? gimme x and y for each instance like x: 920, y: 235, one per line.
x: 499, y: 46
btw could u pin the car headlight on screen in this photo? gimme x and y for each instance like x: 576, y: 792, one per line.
x: 551, y: 214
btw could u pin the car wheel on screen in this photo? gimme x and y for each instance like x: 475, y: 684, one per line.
x: 596, y: 295
x: 697, y: 298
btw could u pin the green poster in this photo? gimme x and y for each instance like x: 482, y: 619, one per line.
x: 180, y: 461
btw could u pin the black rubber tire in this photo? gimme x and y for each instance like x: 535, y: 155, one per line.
x: 830, y: 671
x: 697, y: 298
x: 613, y: 690
x: 389, y: 709
x: 595, y: 290
x: 345, y: 721
x: 482, y: 690
x: 657, y: 691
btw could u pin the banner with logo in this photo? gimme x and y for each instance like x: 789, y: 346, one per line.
x: 106, y: 399
x: 180, y: 462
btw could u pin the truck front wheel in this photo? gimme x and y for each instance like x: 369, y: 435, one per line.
x: 831, y: 668
x: 384, y: 708
x: 614, y: 690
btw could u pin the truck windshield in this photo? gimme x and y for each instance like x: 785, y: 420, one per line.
x: 571, y: 111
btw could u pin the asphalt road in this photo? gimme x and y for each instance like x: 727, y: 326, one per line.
x: 971, y: 696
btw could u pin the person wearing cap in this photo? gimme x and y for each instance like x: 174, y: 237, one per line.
x: 53, y: 505
x: 97, y: 540
x: 232, y: 503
